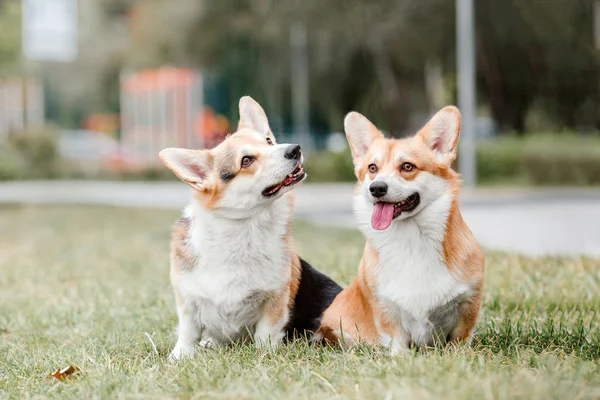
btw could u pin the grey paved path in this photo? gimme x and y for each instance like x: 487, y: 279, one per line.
x: 534, y: 222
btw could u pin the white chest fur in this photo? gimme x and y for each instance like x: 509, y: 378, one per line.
x: 413, y: 282
x: 241, y: 263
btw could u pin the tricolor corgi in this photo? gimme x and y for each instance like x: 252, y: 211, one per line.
x: 420, y: 279
x: 233, y: 268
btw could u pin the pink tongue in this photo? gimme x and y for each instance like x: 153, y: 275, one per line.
x: 382, y: 216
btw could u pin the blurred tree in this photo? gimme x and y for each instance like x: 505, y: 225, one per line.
x: 570, y: 63
x: 390, y: 59
x: 115, y: 8
x: 10, y: 36
x: 509, y: 60
x: 363, y: 55
x: 244, y: 43
x: 384, y: 47
x: 531, y: 49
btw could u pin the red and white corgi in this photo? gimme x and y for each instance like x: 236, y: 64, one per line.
x: 421, y: 275
x: 233, y: 268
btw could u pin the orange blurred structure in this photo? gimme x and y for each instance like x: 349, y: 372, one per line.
x: 164, y: 108
x: 105, y: 123
x: 211, y: 127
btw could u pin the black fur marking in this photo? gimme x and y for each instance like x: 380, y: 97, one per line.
x: 227, y: 176
x: 315, y: 293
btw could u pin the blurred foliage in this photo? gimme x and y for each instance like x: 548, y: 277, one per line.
x: 540, y: 160
x: 393, y: 60
x: 371, y: 56
x: 330, y: 167
x: 31, y: 155
x: 10, y: 36
x: 563, y: 162
x: 362, y: 55
x: 9, y: 165
x: 34, y: 155
x: 533, y: 50
x: 565, y: 159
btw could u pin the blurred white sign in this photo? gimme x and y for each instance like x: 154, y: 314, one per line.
x: 50, y: 30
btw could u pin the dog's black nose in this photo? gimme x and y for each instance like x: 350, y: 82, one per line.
x: 378, y: 189
x: 293, y: 152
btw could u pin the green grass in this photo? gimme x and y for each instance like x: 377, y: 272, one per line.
x: 89, y: 286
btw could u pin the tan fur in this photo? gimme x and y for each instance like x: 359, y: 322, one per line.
x: 352, y: 312
x: 357, y: 310
x: 464, y: 257
x: 277, y: 306
x: 295, y: 260
x: 220, y: 159
x: 416, y: 152
x: 181, y: 257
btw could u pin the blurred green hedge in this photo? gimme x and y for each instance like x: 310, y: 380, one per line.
x: 329, y: 167
x: 32, y: 155
x: 536, y: 159
x: 540, y: 160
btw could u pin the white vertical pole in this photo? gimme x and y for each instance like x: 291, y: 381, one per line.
x: 124, y: 112
x: 597, y: 42
x: 176, y: 110
x: 150, y: 130
x: 173, y: 117
x: 300, y: 105
x: 164, y: 130
x: 199, y: 107
x: 465, y: 37
x: 136, y: 97
x: 189, y: 112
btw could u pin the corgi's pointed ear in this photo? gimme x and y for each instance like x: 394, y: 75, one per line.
x: 191, y: 166
x: 253, y: 116
x: 361, y: 133
x: 441, y: 133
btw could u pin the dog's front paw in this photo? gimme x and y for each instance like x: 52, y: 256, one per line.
x: 399, y: 346
x: 268, y: 342
x: 181, y: 351
x: 207, y: 343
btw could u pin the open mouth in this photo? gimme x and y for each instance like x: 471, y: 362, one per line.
x: 384, y: 213
x: 294, y: 177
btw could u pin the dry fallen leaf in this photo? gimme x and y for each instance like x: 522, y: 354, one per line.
x: 64, y: 373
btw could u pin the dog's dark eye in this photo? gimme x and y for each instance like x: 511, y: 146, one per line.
x: 269, y: 141
x: 373, y: 168
x: 247, y: 161
x: 407, y: 167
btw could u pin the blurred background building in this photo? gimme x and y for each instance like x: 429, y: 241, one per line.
x: 147, y: 74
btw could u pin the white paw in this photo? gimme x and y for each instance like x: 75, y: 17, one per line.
x: 399, y: 348
x: 207, y: 343
x: 181, y: 351
x: 397, y: 351
x: 268, y: 342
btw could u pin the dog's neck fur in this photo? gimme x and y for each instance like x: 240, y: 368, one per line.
x: 258, y: 238
x: 411, y: 269
x: 429, y: 226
